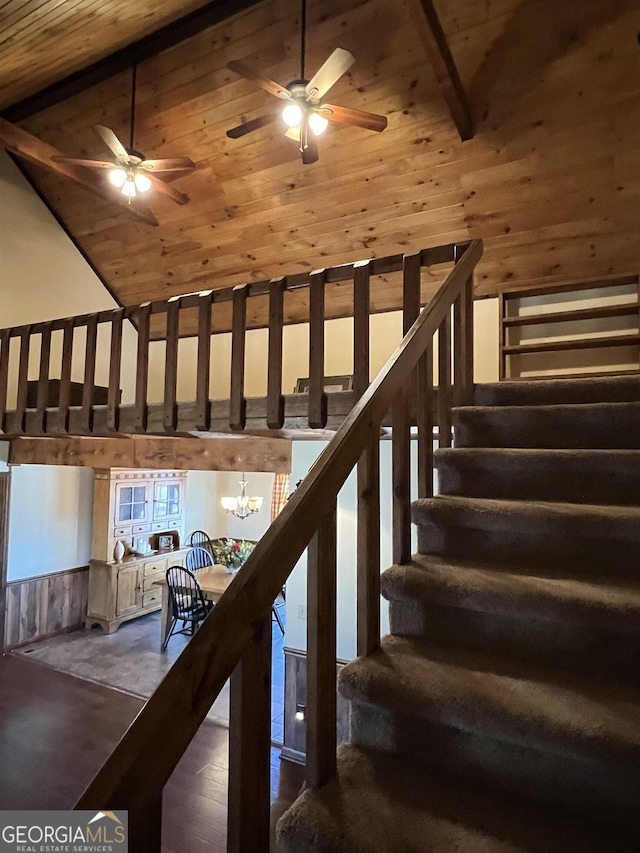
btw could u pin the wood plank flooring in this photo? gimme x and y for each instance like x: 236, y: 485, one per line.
x: 56, y: 730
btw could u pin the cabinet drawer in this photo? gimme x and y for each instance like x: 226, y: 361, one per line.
x: 148, y: 582
x: 122, y: 531
x: 152, y: 597
x: 158, y: 567
x: 141, y: 528
x: 159, y: 525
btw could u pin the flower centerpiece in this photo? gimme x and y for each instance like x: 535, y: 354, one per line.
x: 231, y: 553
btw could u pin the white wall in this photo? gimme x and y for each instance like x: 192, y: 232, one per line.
x: 49, y: 520
x: 304, y: 455
x: 204, y: 490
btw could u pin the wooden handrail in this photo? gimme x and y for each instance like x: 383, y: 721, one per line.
x: 137, y: 770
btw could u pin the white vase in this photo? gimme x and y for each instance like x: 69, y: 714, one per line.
x: 118, y: 551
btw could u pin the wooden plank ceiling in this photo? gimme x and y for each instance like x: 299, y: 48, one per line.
x: 550, y: 181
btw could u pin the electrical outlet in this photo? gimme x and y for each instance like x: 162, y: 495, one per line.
x: 302, y: 611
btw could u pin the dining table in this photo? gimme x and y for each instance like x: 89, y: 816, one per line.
x: 214, y: 581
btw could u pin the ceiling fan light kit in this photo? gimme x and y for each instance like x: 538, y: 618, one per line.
x: 305, y: 110
x: 131, y: 172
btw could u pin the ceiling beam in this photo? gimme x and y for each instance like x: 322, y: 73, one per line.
x: 429, y: 28
x: 210, y: 14
x: 240, y: 453
x: 30, y: 148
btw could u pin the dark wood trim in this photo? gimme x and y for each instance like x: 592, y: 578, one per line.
x: 5, y: 489
x: 430, y: 31
x: 214, y: 12
x: 577, y: 314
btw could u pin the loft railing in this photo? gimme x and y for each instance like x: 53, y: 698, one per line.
x: 234, y: 641
x: 55, y: 350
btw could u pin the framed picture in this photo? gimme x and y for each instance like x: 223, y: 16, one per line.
x: 165, y: 541
x: 331, y: 384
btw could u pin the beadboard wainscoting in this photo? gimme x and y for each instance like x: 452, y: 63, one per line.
x: 43, y: 606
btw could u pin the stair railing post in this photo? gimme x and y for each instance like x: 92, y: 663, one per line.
x: 203, y: 369
x: 250, y: 746
x: 170, y: 405
x: 275, y: 400
x: 142, y: 368
x: 42, y: 396
x: 115, y: 363
x: 237, y: 400
x: 89, y: 384
x: 317, y: 395
x: 321, y: 715
x: 368, y: 548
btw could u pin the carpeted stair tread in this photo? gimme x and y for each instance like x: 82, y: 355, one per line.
x: 593, y: 602
x: 612, y: 389
x: 578, y: 476
x: 491, y: 514
x: 588, y: 426
x: 513, y: 701
x: 377, y: 804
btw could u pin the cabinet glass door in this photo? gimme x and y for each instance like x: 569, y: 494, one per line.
x: 167, y: 501
x: 131, y: 503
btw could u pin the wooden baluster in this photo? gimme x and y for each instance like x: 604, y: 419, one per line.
x: 463, y: 341
x: 401, y: 475
x: 321, y: 653
x: 502, y: 338
x: 250, y: 747
x: 425, y: 423
x: 88, y: 388
x: 203, y: 404
x: 170, y: 407
x: 444, y: 382
x: 115, y: 360
x: 317, y: 396
x: 43, y: 380
x: 237, y: 401
x: 5, y: 342
x: 401, y: 420
x: 368, y: 548
x: 469, y: 333
x: 361, y: 329
x: 410, y: 290
x: 142, y: 369
x: 275, y: 400
x: 23, y: 376
x: 64, y: 398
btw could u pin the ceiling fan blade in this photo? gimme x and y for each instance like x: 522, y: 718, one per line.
x: 338, y: 63
x: 310, y: 153
x: 250, y: 126
x: 112, y: 142
x: 259, y: 79
x: 168, y: 164
x: 78, y: 161
x: 171, y: 192
x: 359, y: 118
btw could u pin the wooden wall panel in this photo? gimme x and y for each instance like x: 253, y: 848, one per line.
x: 43, y: 606
x: 295, y: 693
x: 550, y: 180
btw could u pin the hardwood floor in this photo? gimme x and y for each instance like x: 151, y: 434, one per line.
x: 56, y: 730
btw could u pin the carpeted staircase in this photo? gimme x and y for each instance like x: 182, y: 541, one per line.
x: 503, y: 711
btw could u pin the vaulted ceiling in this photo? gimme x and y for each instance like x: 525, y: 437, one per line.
x: 551, y: 179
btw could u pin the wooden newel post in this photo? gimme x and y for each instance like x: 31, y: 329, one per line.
x: 250, y: 746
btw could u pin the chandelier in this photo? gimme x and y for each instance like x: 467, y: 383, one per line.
x: 242, y: 506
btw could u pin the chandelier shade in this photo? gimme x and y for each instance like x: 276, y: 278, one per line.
x: 241, y: 506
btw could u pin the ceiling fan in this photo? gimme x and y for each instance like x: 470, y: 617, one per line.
x: 305, y: 113
x: 131, y: 172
